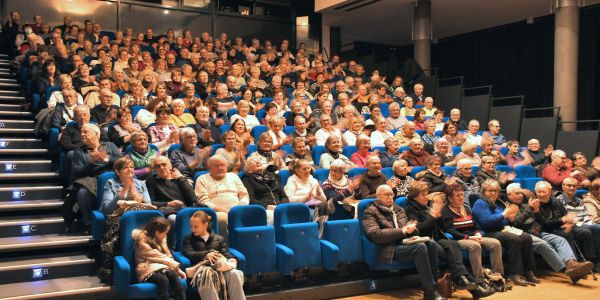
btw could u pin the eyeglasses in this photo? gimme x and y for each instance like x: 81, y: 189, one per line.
x: 492, y: 191
x: 569, y: 185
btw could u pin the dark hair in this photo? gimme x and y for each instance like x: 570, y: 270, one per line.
x: 418, y: 113
x: 578, y: 153
x: 122, y: 111
x: 47, y: 63
x: 450, y: 189
x: 163, y: 109
x: 445, y: 128
x: 415, y: 189
x: 157, y: 224
x: 438, y: 111
x: 122, y: 162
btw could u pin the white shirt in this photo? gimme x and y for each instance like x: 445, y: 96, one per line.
x: 349, y: 138
x: 250, y: 120
x: 57, y: 97
x: 474, y: 139
x: 323, y: 134
x: 378, y: 138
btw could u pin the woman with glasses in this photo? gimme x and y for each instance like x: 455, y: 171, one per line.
x: 450, y: 133
x: 488, y: 171
x: 302, y: 186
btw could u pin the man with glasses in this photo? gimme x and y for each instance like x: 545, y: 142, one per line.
x: 557, y: 170
x: 488, y: 171
x: 581, y: 218
x: 487, y: 149
x: 535, y: 155
x: 494, y: 133
x: 387, y: 225
x: 407, y: 133
x: 464, y: 175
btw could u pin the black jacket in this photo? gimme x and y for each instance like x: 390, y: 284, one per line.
x: 426, y: 224
x: 435, y: 183
x: 195, y: 248
x: 162, y: 191
x: 264, y: 189
x: 378, y: 225
x: 551, y: 213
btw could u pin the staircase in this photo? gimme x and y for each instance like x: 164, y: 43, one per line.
x: 37, y: 260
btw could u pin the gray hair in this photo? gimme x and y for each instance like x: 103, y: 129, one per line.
x: 397, y: 164
x: 389, y: 141
x: 185, y: 132
x: 557, y: 153
x: 249, y: 161
x: 542, y: 184
x: 92, y: 127
x: 488, y: 183
x: 337, y: 164
x: 464, y: 162
x: 179, y: 101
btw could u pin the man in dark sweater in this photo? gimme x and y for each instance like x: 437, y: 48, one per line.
x: 106, y: 111
x: 168, y: 187
x: 370, y: 180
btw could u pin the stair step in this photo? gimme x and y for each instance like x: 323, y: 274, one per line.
x: 16, y: 131
x: 33, y: 242
x: 21, y: 143
x: 42, y: 175
x: 6, y: 91
x: 11, y: 98
x: 23, y: 151
x: 16, y: 124
x: 10, y: 194
x: 46, y: 289
x: 46, y: 267
x: 9, y: 80
x: 5, y: 113
x: 10, y: 107
x: 36, y: 205
x: 25, y: 166
x: 8, y: 85
x: 30, y: 226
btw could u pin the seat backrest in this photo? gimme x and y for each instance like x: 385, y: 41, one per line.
x: 287, y: 148
x: 385, y: 109
x: 346, y: 235
x: 504, y: 168
x: 449, y: 170
x: 232, y: 112
x: 215, y: 147
x: 246, y: 216
x: 317, y: 151
x: 420, y: 132
x: 388, y: 172
x: 251, y: 149
x: 102, y: 179
x: 290, y: 213
x: 356, y: 172
x: 51, y: 89
x: 198, y: 174
x: 349, y: 150
x: 129, y: 221
x: 362, y: 205
x: 525, y: 171
x: 288, y: 130
x: 456, y: 150
x: 321, y: 175
x: 224, y: 128
x: 135, y: 110
x: 182, y: 225
x: 401, y: 201
x: 173, y: 148
x: 380, y: 148
x: 416, y: 170
x: 284, y: 175
x: 257, y: 131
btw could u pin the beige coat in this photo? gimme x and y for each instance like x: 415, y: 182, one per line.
x: 149, y: 260
x: 593, y: 207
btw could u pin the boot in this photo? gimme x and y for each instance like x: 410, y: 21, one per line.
x: 430, y: 293
x: 482, y: 291
x: 575, y: 269
x: 463, y: 283
x: 531, y: 277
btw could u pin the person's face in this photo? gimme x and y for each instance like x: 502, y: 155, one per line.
x: 376, y: 112
x: 243, y: 109
x: 380, y: 124
x: 486, y: 147
x: 303, y: 170
x: 300, y: 148
x: 513, y: 148
x: 409, y: 129
x: 162, y: 167
x: 277, y: 126
x: 218, y: 169
x: 489, y: 166
x: 416, y: 147
x: 408, y: 103
x: 494, y: 127
x: 336, y: 173
x: 84, y: 70
x: 421, y: 198
x: 198, y: 227
x: 365, y: 145
x: 543, y: 193
x: 373, y: 165
x: 266, y: 144
x: 163, y: 118
x: 473, y: 128
x: 457, y: 198
x: 326, y: 122
x: 70, y: 99
x: 451, y: 129
x: 430, y: 128
x: 88, y: 136
x: 386, y: 198
x: 492, y: 192
x: 335, y: 145
x: 569, y: 187
x: 190, y: 141
x: 106, y: 99
x: 82, y: 116
x: 178, y: 108
x: 454, y: 116
x: 141, y: 143
x: 580, y: 161
x: 534, y: 145
x: 239, y: 127
x: 300, y: 124
x: 51, y: 68
x: 394, y: 111
x: 559, y: 161
x: 126, y: 171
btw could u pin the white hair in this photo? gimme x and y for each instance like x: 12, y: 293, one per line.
x: 542, y: 184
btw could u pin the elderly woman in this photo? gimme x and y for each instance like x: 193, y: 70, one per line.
x: 264, y: 187
x: 302, y: 186
x: 147, y: 115
x: 359, y: 158
x: 450, y: 133
x: 459, y: 223
x: 66, y: 83
x: 89, y: 161
x: 339, y: 191
x: 161, y: 94
x: 429, y: 138
x: 465, y: 177
x: 468, y: 152
x: 148, y: 79
x: 244, y: 113
x: 233, y: 152
x: 380, y: 134
x: 333, y: 145
x: 443, y: 151
x: 401, y: 180
x: 300, y: 150
x: 326, y: 130
x: 493, y: 216
x: 435, y: 178
x: 179, y: 117
x: 430, y: 223
x: 408, y: 109
x: 120, y: 81
x: 591, y: 201
x: 242, y: 134
x: 141, y: 154
x: 84, y: 82
x: 120, y: 134
x: 189, y: 159
x: 163, y: 134
x: 136, y: 94
x: 488, y: 171
x: 276, y: 132
x: 391, y: 154
x: 189, y: 97
x: 355, y: 129
x: 273, y: 160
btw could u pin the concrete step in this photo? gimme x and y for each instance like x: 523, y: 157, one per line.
x: 78, y: 287
x: 13, y: 132
x: 25, y: 166
x: 8, y: 85
x: 39, y: 242
x: 16, y: 124
x: 11, y: 98
x: 20, y: 152
x: 21, y: 176
x: 46, y: 267
x: 21, y: 143
x: 30, y: 205
x: 13, y: 114
x: 31, y: 225
x: 32, y: 193
x: 9, y: 80
x: 10, y: 107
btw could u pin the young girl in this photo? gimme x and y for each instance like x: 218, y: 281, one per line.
x: 206, y: 248
x: 154, y: 262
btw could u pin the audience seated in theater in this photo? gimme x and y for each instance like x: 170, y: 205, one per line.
x: 488, y: 171
x: 591, y: 201
x: 433, y: 176
x: 406, y: 134
x: 493, y: 217
x: 333, y: 147
x: 355, y: 130
x: 472, y: 136
x: 499, y: 140
x: 232, y: 152
x: 92, y: 98
x: 371, y: 179
x: 93, y: 158
x: 220, y: 190
x: 443, y: 151
x: 428, y: 107
x: 468, y: 152
x: 388, y: 230
x: 179, y: 117
x: 244, y: 113
x: 326, y: 130
x: 66, y: 83
x: 300, y: 131
x: 450, y: 133
x: 394, y: 120
x: 400, y: 182
x: 65, y: 111
x: 438, y: 118
x: 154, y: 261
x: 147, y: 115
x: 534, y: 153
x: 419, y: 119
x: 264, y: 187
x: 459, y: 223
x: 415, y: 155
x: 141, y: 154
x: 391, y: 154
x: 203, y: 246
x: 359, y: 158
x: 513, y: 157
x: 105, y: 112
x: 270, y: 158
x: 120, y: 133
x: 49, y: 77
x: 417, y: 95
x: 190, y: 158
x: 587, y: 173
x: 300, y: 150
x: 456, y: 120
x: 302, y: 186
x: 161, y: 94
x: 242, y: 134
x: 163, y: 134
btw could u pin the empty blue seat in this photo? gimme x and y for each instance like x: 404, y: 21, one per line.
x: 257, y: 131
x: 415, y: 170
x: 525, y: 171
x: 349, y: 150
x: 321, y: 175
x: 449, y: 170
x: 317, y: 151
x: 284, y: 175
x: 504, y: 168
x: 294, y: 229
x: 388, y: 172
x: 224, y: 128
x: 356, y: 172
x: 337, y: 233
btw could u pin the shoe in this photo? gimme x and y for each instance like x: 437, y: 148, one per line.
x: 463, y: 283
x: 431, y: 294
x: 482, y: 291
x: 575, y: 269
x: 531, y: 277
x: 518, y: 280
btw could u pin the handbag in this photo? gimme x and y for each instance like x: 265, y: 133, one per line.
x: 445, y: 285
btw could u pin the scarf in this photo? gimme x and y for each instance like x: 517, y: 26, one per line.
x: 334, y: 154
x: 394, y: 216
x: 142, y: 160
x: 265, y: 153
x: 339, y: 184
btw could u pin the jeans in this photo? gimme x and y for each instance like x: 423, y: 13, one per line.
x: 474, y: 249
x: 580, y: 238
x: 595, y: 230
x: 554, y: 249
x: 234, y: 279
x: 519, y: 251
x: 424, y: 255
x: 85, y: 201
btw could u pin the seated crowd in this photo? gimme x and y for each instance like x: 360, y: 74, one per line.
x: 189, y: 121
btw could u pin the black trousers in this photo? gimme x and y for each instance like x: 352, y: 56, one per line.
x: 449, y: 250
x: 163, y: 281
x: 580, y: 237
x: 519, y: 249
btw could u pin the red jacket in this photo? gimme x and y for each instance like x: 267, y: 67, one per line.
x: 556, y: 176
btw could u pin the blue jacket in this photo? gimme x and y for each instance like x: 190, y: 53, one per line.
x: 489, y: 216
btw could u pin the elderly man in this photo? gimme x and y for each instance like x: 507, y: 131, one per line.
x: 224, y: 101
x: 487, y: 149
x: 488, y: 171
x: 371, y: 179
x: 557, y: 170
x: 429, y: 108
x: 415, y: 155
x: 300, y: 131
x: 387, y: 225
x: 555, y: 249
x: 465, y: 177
x: 535, y: 155
x: 418, y: 95
x: 264, y: 187
x: 106, y: 111
x: 473, y: 136
x: 494, y: 133
x: 207, y: 131
x: 93, y: 98
x: 220, y: 190
x: 65, y: 111
x: 394, y: 121
x: 189, y: 159
x: 406, y: 134
x: 555, y: 219
x: 456, y: 120
x: 581, y: 218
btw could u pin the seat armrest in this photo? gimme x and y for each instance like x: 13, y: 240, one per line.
x: 98, y: 220
x: 285, y: 259
x: 184, y: 262
x: 241, y: 258
x: 329, y: 255
x: 121, y: 274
